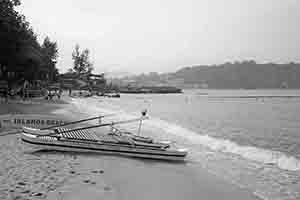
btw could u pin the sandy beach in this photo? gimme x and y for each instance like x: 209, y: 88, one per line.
x: 25, y: 174
x: 211, y: 85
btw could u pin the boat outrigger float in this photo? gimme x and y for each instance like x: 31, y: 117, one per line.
x: 115, y: 142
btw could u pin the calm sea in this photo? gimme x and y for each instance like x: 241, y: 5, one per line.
x: 248, y: 137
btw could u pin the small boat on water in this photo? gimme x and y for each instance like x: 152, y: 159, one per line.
x: 115, y: 142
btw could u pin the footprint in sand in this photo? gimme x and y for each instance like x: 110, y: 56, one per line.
x: 86, y: 181
x: 21, y: 183
x: 106, y: 188
x: 97, y: 171
x: 26, y: 191
x: 38, y: 194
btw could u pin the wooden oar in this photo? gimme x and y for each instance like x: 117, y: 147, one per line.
x: 79, y: 121
x: 100, y: 125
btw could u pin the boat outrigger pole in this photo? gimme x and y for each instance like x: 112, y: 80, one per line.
x: 64, y: 124
x: 79, y: 121
x: 100, y: 125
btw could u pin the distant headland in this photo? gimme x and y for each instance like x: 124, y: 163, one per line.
x: 237, y: 75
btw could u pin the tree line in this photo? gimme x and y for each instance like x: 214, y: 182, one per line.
x: 22, y: 57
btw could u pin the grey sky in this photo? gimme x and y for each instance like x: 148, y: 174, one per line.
x: 165, y: 35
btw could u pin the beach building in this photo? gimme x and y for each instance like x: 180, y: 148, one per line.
x: 83, y: 81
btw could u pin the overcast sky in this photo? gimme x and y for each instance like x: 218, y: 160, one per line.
x: 164, y: 35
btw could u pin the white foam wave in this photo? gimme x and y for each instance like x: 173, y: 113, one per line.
x: 280, y: 159
x: 90, y: 108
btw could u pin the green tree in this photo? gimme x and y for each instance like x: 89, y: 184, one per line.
x: 10, y: 23
x: 19, y: 46
x: 50, y: 50
x: 50, y: 55
x: 81, y: 60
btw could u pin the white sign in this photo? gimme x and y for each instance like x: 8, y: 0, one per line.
x: 34, y: 120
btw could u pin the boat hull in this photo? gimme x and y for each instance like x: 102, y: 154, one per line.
x: 53, y: 143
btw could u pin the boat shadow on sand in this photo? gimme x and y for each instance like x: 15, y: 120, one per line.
x: 78, y: 155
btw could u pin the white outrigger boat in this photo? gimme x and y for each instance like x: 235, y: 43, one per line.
x: 115, y: 142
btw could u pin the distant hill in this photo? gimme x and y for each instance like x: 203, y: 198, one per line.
x: 246, y: 74
x: 237, y: 75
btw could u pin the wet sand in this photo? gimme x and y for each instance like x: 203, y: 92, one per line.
x: 26, y: 174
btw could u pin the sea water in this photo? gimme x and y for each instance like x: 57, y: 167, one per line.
x: 248, y: 137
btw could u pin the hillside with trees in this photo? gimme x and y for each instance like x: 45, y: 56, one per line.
x: 246, y: 74
x: 237, y: 75
x: 22, y: 57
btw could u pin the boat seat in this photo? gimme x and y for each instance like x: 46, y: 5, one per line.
x: 48, y: 138
x: 108, y: 138
x: 77, y: 134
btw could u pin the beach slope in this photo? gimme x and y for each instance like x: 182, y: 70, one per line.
x: 25, y: 174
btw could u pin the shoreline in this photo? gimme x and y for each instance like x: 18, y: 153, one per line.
x: 78, y: 176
